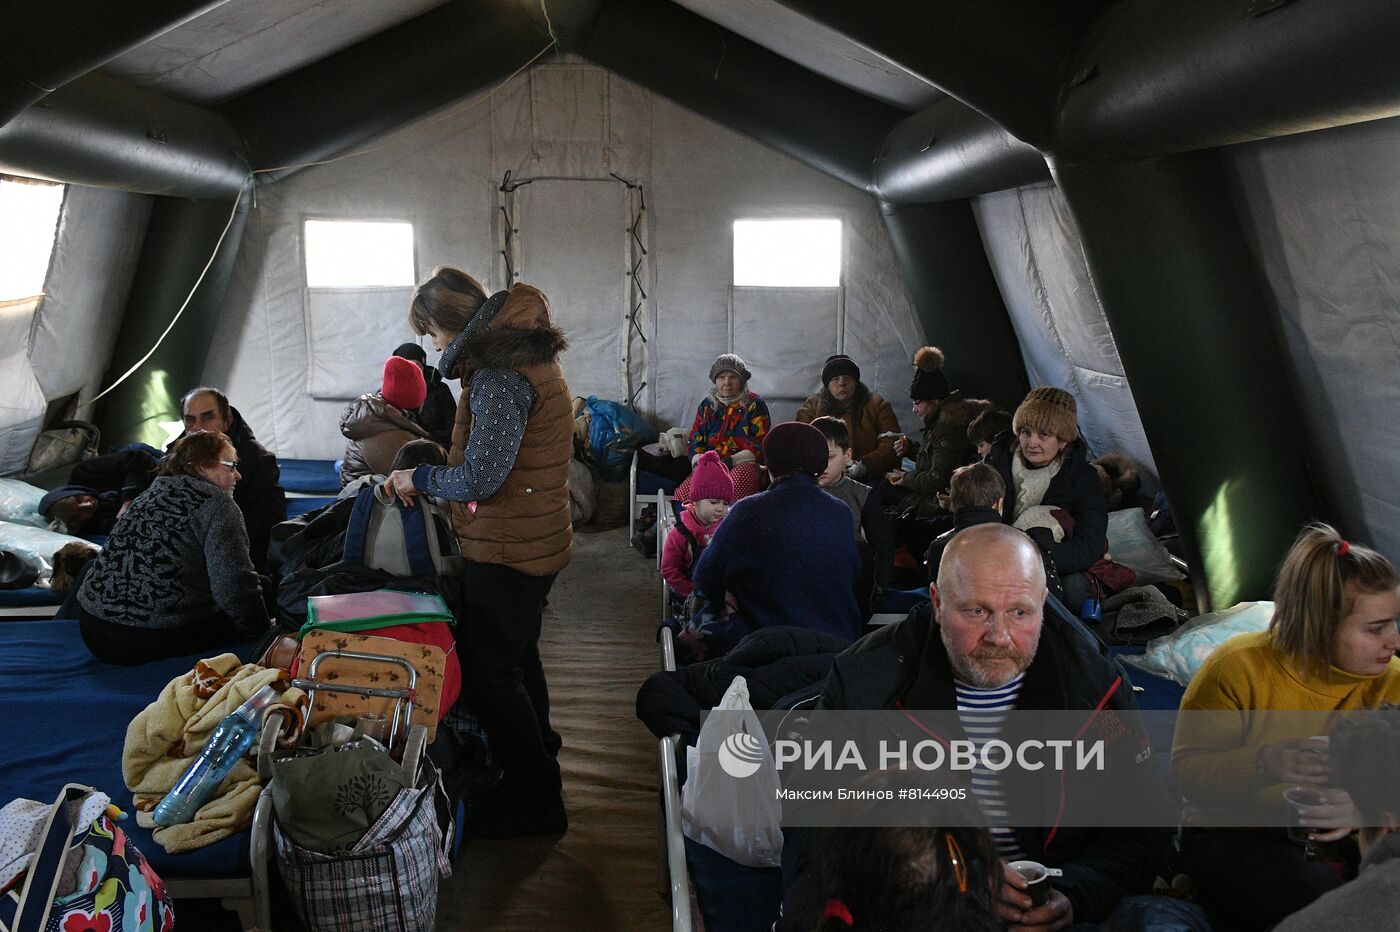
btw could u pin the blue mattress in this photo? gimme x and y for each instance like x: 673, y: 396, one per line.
x: 65, y: 716
x: 296, y: 507
x: 32, y: 597
x: 311, y: 477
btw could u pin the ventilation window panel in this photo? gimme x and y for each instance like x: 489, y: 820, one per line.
x: 28, y: 224
x: 359, y: 254
x: 803, y: 253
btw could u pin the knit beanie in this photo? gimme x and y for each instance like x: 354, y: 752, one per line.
x: 1049, y: 410
x: 839, y: 364
x: 710, y: 479
x: 403, y: 386
x: 411, y: 350
x: 794, y: 447
x: 728, y: 362
x: 929, y: 383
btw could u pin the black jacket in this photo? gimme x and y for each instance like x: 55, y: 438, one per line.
x: 1076, y: 488
x: 774, y: 662
x: 259, y: 494
x: 971, y: 517
x: 439, y: 408
x: 905, y: 665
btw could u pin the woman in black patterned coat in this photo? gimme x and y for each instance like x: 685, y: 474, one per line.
x: 175, y: 577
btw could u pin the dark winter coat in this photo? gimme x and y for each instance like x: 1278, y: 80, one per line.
x: 259, y: 494
x: 439, y: 408
x: 943, y: 448
x: 788, y: 557
x: 774, y: 662
x: 178, y: 555
x: 376, y: 431
x: 1077, y: 489
x: 905, y: 666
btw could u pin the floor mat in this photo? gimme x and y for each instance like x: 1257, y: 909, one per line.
x: 598, y: 647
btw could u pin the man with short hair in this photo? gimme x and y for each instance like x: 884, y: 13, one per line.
x: 989, y: 643
x: 258, y: 494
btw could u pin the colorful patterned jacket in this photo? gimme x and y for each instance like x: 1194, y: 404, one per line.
x: 729, y: 429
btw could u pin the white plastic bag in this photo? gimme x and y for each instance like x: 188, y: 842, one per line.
x: 1132, y: 543
x: 1180, y: 654
x: 19, y: 503
x: 730, y: 801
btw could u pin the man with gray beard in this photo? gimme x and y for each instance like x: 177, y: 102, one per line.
x: 1000, y: 645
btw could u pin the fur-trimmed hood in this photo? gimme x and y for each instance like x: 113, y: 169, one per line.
x: 957, y: 411
x: 520, y: 334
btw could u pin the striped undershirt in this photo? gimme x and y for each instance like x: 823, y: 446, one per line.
x: 982, y: 712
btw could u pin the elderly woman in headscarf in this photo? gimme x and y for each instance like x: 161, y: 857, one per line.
x: 869, y: 418
x: 732, y: 421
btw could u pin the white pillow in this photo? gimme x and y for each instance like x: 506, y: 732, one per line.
x: 1180, y: 654
x: 19, y: 503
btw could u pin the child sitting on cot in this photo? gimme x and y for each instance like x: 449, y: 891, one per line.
x: 872, y: 529
x: 711, y: 494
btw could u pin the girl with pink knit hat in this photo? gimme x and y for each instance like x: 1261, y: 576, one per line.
x: 711, y: 493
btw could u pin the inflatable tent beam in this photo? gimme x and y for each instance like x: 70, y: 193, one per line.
x: 1179, y: 289
x: 377, y: 85
x: 948, y: 151
x: 741, y: 85
x: 45, y: 45
x: 105, y: 133
x: 1004, y: 58
x: 1153, y: 78
x: 180, y: 239
x: 956, y: 296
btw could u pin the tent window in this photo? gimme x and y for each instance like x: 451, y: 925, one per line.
x: 787, y: 253
x: 28, y: 224
x: 359, y: 254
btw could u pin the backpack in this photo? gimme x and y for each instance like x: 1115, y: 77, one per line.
x: 384, y: 534
x: 64, y: 444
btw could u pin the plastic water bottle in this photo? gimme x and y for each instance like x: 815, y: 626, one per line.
x: 225, y: 747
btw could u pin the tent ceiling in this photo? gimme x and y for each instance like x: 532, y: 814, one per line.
x: 819, y: 48
x: 244, y: 43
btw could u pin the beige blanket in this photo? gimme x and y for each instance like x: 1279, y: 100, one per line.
x: 163, y: 740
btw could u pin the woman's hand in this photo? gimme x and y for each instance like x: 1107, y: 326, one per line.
x: 1334, y: 820
x: 896, y: 477
x: 1295, y: 761
x: 901, y: 443
x: 400, y: 485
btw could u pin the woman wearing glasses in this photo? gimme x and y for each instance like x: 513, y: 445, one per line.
x: 175, y: 577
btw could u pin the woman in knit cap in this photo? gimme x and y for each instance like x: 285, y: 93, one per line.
x: 1044, y: 462
x: 869, y: 418
x: 732, y: 421
x: 944, y: 446
x: 377, y: 424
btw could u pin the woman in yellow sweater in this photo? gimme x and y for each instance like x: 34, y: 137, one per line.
x: 1330, y: 647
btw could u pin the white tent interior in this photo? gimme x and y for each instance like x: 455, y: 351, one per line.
x: 1318, y: 208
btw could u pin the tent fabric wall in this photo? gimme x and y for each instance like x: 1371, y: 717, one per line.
x: 1322, y: 211
x: 62, y: 342
x: 564, y: 126
x: 1035, y: 254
